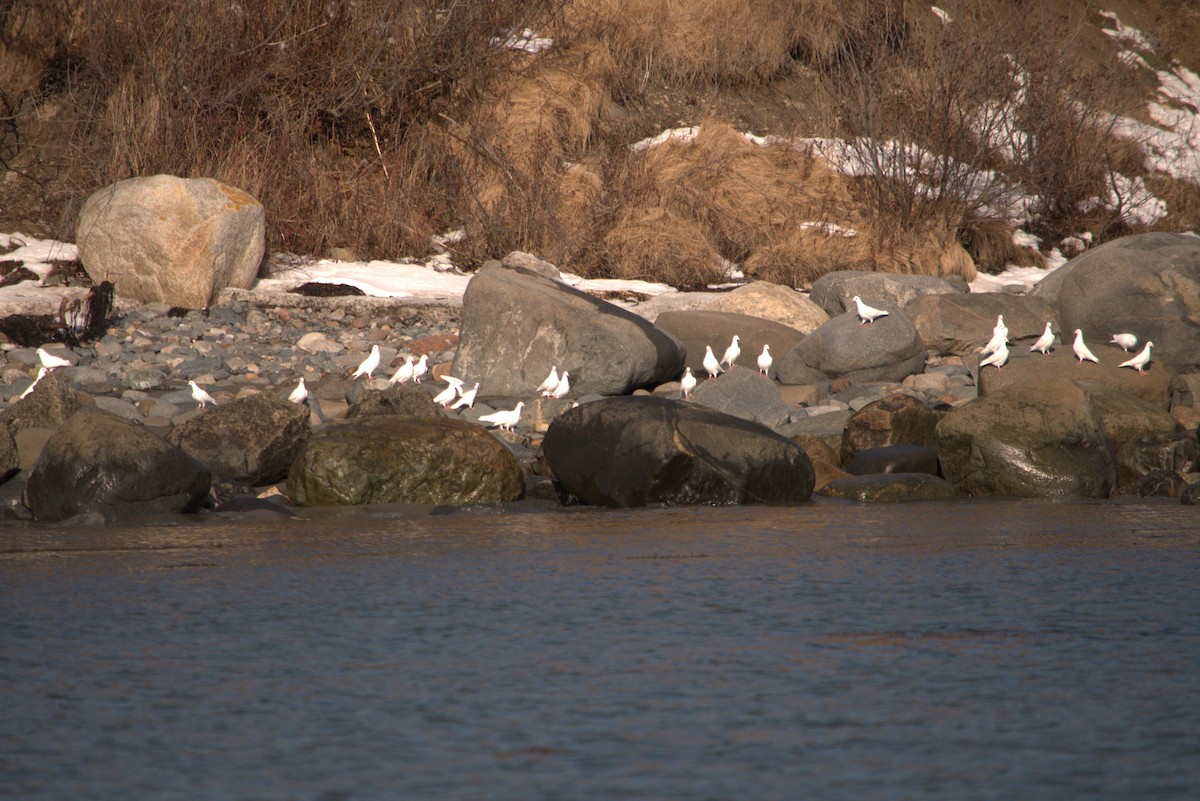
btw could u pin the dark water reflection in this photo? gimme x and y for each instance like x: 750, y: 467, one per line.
x: 1006, y: 651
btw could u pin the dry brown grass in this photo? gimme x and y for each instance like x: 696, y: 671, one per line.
x: 990, y: 244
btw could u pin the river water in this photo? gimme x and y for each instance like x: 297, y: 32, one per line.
x: 829, y: 651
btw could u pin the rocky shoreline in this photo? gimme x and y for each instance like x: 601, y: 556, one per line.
x: 898, y: 409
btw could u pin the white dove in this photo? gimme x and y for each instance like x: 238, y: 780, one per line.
x: 551, y: 381
x: 300, y: 393
x: 420, y: 368
x: 50, y: 361
x: 564, y: 386
x: 732, y: 352
x: 504, y: 419
x: 711, y: 365
x: 765, y: 361
x: 403, y: 373
x: 467, y: 399
x: 867, y: 314
x: 200, y: 396
x: 41, y: 374
x: 447, y: 395
x: 1139, y: 361
x: 368, y: 364
x: 1045, y: 341
x: 1124, y: 341
x: 999, y: 336
x: 998, y: 357
x: 1081, y: 350
x: 687, y: 383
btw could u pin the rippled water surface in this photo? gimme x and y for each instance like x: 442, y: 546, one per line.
x: 958, y: 651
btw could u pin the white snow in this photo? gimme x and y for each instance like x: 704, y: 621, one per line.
x: 942, y: 15
x: 526, y: 40
x: 38, y: 255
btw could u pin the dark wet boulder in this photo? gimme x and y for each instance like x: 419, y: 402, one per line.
x: 517, y: 324
x: 253, y: 439
x: 407, y: 401
x: 10, y: 459
x: 395, y: 459
x: 716, y: 329
x: 894, y: 459
x: 52, y: 401
x: 958, y: 324
x: 1125, y: 417
x: 898, y: 419
x: 1177, y: 452
x: 744, y: 393
x: 1190, y: 496
x: 99, y: 463
x: 888, y: 349
x: 890, y: 488
x: 1160, y: 484
x: 1146, y: 284
x: 1029, y: 441
x: 648, y: 451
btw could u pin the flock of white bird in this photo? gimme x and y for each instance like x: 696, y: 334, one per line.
x: 995, y: 352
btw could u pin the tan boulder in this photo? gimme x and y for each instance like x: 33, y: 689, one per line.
x: 171, y: 240
x: 773, y: 302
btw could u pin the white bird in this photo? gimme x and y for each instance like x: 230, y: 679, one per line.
x: 867, y: 314
x: 504, y: 419
x: 300, y: 393
x: 41, y: 374
x: 998, y: 358
x: 765, y: 361
x: 1081, y: 350
x: 447, y: 395
x: 999, y: 336
x: 454, y: 382
x: 368, y: 364
x: 564, y: 386
x: 547, y: 386
x: 711, y: 365
x: 421, y: 368
x: 732, y: 352
x: 200, y: 396
x: 1044, y: 342
x: 50, y: 361
x: 1124, y: 341
x: 403, y: 373
x: 467, y: 399
x: 1141, y: 360
x: 687, y: 383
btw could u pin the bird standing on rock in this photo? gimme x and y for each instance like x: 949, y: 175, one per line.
x: 867, y: 314
x: 732, y: 352
x: 50, y: 361
x: 504, y: 419
x: 765, y: 361
x: 1045, y: 341
x: 300, y: 393
x: 687, y: 383
x: 200, y: 396
x: 467, y: 399
x: 997, y: 358
x: 999, y: 336
x: 41, y: 374
x: 420, y: 368
x: 564, y: 386
x: 1081, y: 350
x: 549, y: 383
x: 447, y: 395
x: 711, y: 365
x: 1124, y: 341
x: 404, y: 373
x: 368, y: 364
x: 1139, y: 361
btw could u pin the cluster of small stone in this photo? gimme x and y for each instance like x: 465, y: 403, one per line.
x: 140, y: 368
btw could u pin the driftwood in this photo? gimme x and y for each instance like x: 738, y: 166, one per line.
x: 78, y: 320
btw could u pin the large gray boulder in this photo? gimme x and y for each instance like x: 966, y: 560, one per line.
x: 517, y: 324
x: 163, y: 239
x: 1028, y: 441
x: 745, y: 393
x: 253, y: 439
x: 97, y: 462
x: 1147, y: 284
x: 888, y: 349
x: 698, y: 328
x: 647, y: 451
x: 957, y: 324
x: 397, y: 459
x: 1025, y: 368
x: 834, y: 291
x: 52, y: 401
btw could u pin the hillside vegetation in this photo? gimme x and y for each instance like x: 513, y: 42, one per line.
x: 807, y: 135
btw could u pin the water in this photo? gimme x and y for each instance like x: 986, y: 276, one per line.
x: 957, y: 651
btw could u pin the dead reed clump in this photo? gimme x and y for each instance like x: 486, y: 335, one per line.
x: 657, y: 244
x: 991, y: 246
